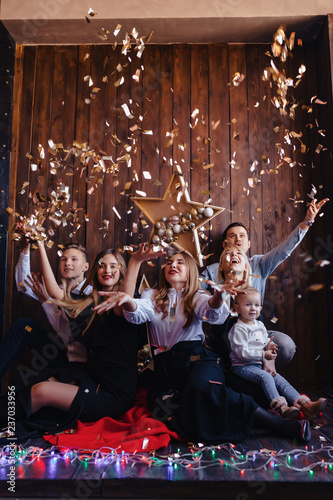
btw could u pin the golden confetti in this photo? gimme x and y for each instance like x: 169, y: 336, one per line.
x: 91, y: 12
x: 117, y: 29
x: 315, y: 287
x: 103, y: 36
x: 119, y: 82
x: 237, y: 79
x: 215, y: 124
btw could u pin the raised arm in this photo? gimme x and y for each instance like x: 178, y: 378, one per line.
x: 115, y: 300
x: 311, y: 213
x: 265, y: 264
x: 143, y: 254
x: 227, y: 287
x: 50, y: 282
x: 22, y: 268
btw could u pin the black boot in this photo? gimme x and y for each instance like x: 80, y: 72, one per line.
x: 299, y: 429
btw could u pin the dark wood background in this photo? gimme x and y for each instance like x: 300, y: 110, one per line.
x: 49, y: 103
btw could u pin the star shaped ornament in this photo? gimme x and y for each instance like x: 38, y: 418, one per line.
x: 176, y: 219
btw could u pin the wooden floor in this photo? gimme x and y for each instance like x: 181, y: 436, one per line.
x: 278, y: 469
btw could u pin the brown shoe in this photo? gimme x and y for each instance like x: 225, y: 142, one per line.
x: 289, y: 412
x: 312, y: 409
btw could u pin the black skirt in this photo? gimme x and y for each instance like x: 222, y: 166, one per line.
x: 107, y: 383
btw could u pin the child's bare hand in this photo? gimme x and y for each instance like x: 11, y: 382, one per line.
x: 271, y: 345
x: 270, y: 354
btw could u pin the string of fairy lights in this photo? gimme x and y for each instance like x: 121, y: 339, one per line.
x: 197, y: 458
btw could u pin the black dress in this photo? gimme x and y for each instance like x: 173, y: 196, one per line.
x: 107, y: 382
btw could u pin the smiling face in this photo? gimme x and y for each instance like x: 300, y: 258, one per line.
x: 73, y: 265
x: 176, y: 272
x: 238, y: 236
x: 108, y: 272
x: 233, y: 262
x: 248, y: 306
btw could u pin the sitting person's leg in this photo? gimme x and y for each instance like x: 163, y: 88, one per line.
x: 299, y: 429
x: 255, y: 374
x: 46, y: 347
x: 24, y: 331
x: 54, y: 394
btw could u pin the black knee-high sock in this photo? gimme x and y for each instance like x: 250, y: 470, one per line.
x: 265, y: 420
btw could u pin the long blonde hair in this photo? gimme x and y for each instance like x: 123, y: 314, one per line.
x: 190, y: 289
x: 74, y: 307
x: 247, y: 269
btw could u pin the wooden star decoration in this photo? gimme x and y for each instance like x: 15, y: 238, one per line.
x: 175, y: 203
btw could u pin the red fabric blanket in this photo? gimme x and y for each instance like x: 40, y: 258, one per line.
x: 137, y: 431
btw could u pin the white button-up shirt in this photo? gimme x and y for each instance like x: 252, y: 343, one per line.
x: 167, y: 332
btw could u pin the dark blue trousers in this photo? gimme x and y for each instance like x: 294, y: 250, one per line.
x: 47, y: 349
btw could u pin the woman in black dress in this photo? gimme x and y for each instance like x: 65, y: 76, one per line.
x: 106, y: 384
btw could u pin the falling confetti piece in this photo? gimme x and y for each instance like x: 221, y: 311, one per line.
x: 88, y: 79
x: 119, y: 82
x: 237, y: 79
x: 117, y: 29
x: 91, y: 12
x: 116, y: 212
x: 323, y: 263
x: 127, y: 111
x: 313, y: 192
x: 315, y: 287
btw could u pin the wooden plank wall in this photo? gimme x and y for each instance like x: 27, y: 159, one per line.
x: 238, y: 127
